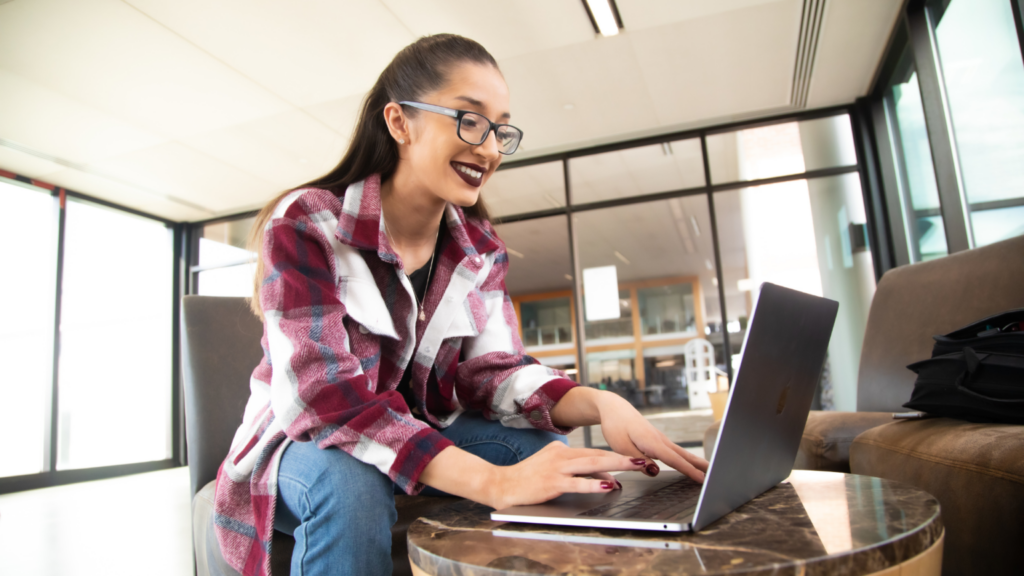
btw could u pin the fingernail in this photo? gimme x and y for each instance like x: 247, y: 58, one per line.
x: 619, y: 484
x: 652, y: 469
x: 638, y: 461
x: 606, y: 485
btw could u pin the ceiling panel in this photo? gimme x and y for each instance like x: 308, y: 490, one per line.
x: 25, y: 164
x: 125, y: 195
x: 641, y: 14
x: 720, y: 65
x: 507, y: 29
x: 579, y: 92
x: 110, y: 56
x: 306, y: 52
x: 51, y: 122
x: 853, y: 37
x: 286, y: 150
x: 339, y: 115
x: 182, y: 172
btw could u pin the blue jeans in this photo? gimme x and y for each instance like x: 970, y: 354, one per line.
x: 340, y: 510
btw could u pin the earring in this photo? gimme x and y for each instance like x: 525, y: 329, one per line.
x: 401, y: 141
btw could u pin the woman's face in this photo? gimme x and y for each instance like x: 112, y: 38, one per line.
x: 436, y: 158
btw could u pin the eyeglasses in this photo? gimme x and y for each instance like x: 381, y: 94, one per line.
x: 473, y: 128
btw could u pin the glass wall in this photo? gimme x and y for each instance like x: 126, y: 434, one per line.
x: 28, y: 241
x: 115, y: 330
x: 948, y: 112
x: 801, y: 234
x: 659, y: 259
x: 984, y: 81
x: 539, y: 281
x: 920, y: 197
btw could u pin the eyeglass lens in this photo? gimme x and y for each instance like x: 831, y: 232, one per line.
x: 474, y: 128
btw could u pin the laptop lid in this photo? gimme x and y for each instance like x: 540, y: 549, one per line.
x: 781, y: 361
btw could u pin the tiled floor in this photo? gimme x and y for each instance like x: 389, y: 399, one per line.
x: 141, y: 524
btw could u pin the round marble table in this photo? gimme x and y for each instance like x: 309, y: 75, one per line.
x: 813, y: 523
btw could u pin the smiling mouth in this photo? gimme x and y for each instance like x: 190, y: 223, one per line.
x: 471, y: 174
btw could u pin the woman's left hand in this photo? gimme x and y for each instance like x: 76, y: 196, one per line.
x: 629, y: 433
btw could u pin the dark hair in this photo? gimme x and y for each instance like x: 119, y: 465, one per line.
x: 418, y: 69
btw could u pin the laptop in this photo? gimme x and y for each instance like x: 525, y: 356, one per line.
x: 780, y: 364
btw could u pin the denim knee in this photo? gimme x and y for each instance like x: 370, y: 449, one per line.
x: 339, y: 509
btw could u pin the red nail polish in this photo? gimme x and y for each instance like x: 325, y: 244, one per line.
x: 652, y: 469
x: 606, y: 485
x: 619, y: 484
x: 638, y: 461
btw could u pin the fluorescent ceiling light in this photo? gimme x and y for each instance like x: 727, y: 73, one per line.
x: 620, y: 256
x: 515, y: 253
x: 603, y: 14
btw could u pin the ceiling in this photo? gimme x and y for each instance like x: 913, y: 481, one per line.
x: 192, y: 109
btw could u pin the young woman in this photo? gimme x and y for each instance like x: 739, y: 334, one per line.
x: 392, y: 357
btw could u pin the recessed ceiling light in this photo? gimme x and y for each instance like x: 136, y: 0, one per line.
x: 604, y: 16
x: 568, y: 277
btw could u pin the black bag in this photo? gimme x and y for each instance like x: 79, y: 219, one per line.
x: 975, y: 373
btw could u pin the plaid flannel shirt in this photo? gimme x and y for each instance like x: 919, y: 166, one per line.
x: 340, y: 328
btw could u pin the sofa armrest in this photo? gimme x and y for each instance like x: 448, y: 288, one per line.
x: 826, y: 440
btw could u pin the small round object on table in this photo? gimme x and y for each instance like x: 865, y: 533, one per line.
x: 813, y: 523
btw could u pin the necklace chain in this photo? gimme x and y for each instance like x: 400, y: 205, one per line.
x: 430, y: 265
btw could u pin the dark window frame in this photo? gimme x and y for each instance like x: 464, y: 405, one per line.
x: 50, y: 475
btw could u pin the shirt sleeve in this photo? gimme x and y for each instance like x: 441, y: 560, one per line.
x: 497, y: 377
x: 318, y: 389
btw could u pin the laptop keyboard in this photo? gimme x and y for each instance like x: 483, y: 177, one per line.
x: 677, y: 498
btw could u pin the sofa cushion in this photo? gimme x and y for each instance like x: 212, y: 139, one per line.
x: 825, y: 443
x: 914, y: 303
x: 977, y: 473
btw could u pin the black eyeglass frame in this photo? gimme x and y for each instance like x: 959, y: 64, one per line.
x: 458, y: 115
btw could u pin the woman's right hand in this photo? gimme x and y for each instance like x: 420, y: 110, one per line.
x: 555, y: 470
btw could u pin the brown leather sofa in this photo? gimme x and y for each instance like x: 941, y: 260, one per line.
x: 975, y: 470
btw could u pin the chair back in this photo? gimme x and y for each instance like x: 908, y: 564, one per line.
x: 220, y: 347
x: 914, y: 303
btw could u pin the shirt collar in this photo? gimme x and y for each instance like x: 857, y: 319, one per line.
x: 360, y: 224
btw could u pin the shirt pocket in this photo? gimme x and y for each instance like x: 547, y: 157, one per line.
x: 364, y: 304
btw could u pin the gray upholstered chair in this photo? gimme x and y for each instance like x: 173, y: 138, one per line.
x: 220, y: 349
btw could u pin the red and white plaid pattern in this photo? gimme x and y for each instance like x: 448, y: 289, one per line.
x: 340, y: 329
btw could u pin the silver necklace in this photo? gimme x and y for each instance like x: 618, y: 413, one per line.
x: 430, y: 265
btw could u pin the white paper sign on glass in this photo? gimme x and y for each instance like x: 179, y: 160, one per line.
x: 601, y: 288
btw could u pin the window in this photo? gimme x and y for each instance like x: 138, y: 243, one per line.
x: 28, y: 243
x: 225, y: 267
x: 116, y: 329
x: 984, y: 81
x: 807, y: 235
x: 920, y: 197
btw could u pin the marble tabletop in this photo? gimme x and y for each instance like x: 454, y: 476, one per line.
x: 813, y: 523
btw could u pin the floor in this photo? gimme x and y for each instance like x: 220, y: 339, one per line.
x: 140, y: 524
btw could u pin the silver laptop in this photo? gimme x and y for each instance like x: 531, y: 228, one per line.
x: 780, y: 364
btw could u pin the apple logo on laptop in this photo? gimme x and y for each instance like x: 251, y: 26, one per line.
x: 782, y: 400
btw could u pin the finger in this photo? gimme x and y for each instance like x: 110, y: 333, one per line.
x: 698, y: 462
x: 588, y: 453
x: 609, y: 462
x: 668, y: 455
x: 588, y: 486
x: 607, y: 476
